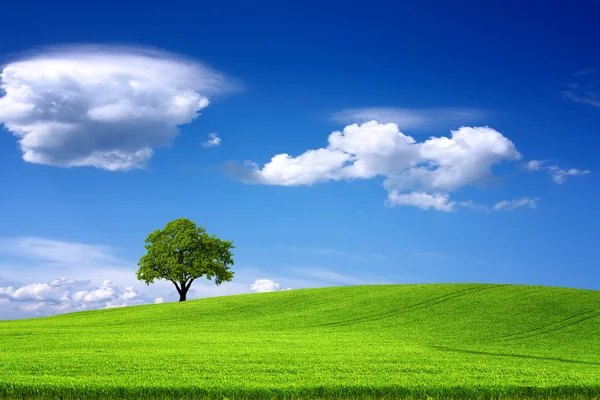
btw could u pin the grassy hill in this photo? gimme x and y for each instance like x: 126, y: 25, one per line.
x: 382, y: 341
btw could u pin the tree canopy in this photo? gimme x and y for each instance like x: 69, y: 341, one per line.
x: 182, y: 252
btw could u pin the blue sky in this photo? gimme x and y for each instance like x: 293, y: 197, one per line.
x: 101, y: 143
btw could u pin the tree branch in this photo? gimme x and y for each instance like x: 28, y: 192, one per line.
x: 177, y: 286
x: 187, y: 287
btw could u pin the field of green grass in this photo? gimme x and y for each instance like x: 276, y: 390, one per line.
x: 369, y: 342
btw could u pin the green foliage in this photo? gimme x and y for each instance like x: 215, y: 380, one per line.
x: 462, y: 341
x: 182, y: 252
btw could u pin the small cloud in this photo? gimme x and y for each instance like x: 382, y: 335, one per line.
x: 159, y: 300
x: 265, y: 285
x: 534, y: 165
x: 473, y: 206
x: 559, y: 175
x: 213, y: 140
x: 508, y: 205
x: 437, y: 201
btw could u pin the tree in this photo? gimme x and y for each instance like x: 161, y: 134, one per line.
x: 182, y: 252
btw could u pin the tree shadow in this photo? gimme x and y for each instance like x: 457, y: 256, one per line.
x: 514, y: 355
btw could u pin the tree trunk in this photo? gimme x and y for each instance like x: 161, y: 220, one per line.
x: 182, y: 295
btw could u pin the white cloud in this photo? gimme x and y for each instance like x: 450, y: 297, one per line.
x: 27, y: 261
x: 507, y: 205
x: 417, y: 173
x: 101, y: 106
x: 535, y: 165
x: 412, y: 119
x: 29, y: 267
x: 58, y: 252
x: 66, y: 295
x: 438, y: 201
x: 306, y: 169
x: 265, y: 285
x: 559, y: 175
x: 213, y: 140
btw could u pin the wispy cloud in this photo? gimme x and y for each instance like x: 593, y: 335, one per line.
x: 60, y: 253
x: 325, y: 251
x: 584, y: 88
x: 559, y: 175
x: 442, y: 203
x: 332, y: 277
x: 213, y: 140
x: 591, y: 97
x: 584, y: 72
x: 508, y: 205
x: 102, y: 106
x: 413, y: 119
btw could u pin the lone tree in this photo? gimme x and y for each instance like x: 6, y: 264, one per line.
x: 182, y: 252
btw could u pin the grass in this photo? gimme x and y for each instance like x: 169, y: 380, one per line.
x: 364, y: 342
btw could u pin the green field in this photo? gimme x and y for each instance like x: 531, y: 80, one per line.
x: 374, y: 341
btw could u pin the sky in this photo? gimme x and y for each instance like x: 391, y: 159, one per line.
x: 334, y: 144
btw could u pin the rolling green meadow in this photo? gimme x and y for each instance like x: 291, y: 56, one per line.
x: 367, y: 342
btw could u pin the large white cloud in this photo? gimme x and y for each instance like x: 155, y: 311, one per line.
x: 99, y: 106
x: 415, y: 173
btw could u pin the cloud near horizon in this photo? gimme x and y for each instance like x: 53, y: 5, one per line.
x: 41, y: 276
x: 102, y: 106
x: 65, y: 295
x: 266, y: 285
x: 421, y: 174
